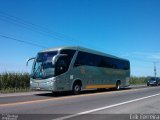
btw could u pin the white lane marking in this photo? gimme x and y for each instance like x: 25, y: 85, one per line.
x: 106, y: 107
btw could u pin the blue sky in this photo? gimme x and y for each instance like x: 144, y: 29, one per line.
x: 125, y: 28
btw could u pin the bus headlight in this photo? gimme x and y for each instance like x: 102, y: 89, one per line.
x: 50, y: 82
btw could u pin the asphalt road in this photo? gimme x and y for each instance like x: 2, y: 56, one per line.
x: 137, y: 102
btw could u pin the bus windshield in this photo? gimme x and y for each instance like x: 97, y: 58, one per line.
x: 43, y: 67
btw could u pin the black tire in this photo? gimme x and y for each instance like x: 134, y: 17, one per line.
x: 118, y: 83
x: 76, y: 88
x: 101, y: 89
x: 55, y: 93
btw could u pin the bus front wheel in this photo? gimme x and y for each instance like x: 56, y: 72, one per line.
x: 76, y: 88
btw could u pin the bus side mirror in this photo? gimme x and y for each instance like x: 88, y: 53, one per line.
x: 29, y: 60
x: 56, y: 57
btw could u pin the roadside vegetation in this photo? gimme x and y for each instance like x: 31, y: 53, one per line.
x: 138, y: 80
x: 19, y: 82
x: 14, y: 82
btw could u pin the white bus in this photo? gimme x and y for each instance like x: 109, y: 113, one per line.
x: 77, y: 68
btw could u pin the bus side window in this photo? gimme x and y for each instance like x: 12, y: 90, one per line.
x: 83, y: 59
x: 63, y: 63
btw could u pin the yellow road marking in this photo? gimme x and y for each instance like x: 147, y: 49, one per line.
x: 62, y: 98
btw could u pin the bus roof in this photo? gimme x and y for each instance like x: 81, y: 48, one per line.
x: 82, y: 49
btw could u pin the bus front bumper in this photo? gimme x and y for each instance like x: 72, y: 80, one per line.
x: 48, y: 84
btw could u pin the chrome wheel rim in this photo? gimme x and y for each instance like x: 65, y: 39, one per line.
x: 77, y: 88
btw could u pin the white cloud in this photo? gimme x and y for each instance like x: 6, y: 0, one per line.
x: 142, y: 63
x: 143, y: 56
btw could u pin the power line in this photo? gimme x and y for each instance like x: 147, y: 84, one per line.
x: 20, y: 21
x: 31, y: 28
x: 36, y: 28
x: 22, y: 41
x: 40, y: 29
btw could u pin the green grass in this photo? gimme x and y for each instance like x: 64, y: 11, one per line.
x: 13, y: 90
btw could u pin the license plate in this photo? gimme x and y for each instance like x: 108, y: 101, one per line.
x: 37, y: 88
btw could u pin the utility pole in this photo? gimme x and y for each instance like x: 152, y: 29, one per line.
x: 155, y: 70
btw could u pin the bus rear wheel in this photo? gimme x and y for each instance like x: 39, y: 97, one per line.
x: 76, y: 88
x: 118, y: 83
